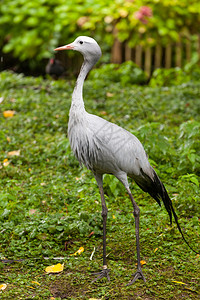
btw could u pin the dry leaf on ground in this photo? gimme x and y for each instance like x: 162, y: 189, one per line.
x: 8, y: 113
x: 179, y: 282
x: 143, y: 262
x: 3, y: 286
x: 80, y: 250
x: 14, y: 153
x: 55, y: 268
x: 5, y: 162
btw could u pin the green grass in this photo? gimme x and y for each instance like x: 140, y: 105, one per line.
x: 49, y: 205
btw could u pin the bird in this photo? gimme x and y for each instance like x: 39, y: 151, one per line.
x: 54, y: 68
x: 106, y: 148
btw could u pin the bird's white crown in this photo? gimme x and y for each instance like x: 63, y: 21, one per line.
x: 86, y: 39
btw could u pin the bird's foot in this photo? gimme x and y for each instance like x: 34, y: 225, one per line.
x: 137, y: 275
x: 103, y: 273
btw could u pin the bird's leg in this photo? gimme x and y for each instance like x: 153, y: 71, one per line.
x: 136, y: 213
x: 105, y: 271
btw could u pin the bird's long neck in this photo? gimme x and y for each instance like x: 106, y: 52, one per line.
x: 77, y: 105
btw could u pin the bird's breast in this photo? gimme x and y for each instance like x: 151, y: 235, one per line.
x: 82, y: 143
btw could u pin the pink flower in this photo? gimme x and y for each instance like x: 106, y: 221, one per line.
x: 146, y: 11
x: 138, y: 15
x: 143, y: 14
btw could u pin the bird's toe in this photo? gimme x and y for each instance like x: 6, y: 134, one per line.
x: 101, y: 274
x: 137, y: 275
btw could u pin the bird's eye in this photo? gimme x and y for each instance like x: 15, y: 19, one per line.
x: 81, y: 42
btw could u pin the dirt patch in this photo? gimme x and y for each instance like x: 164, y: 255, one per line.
x: 68, y: 287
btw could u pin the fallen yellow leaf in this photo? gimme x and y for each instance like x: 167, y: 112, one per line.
x: 143, y: 262
x: 179, y: 282
x: 14, y: 153
x: 8, y: 113
x: 55, y: 268
x: 155, y: 250
x: 3, y: 286
x: 8, y: 139
x: 5, y: 162
x: 109, y: 94
x: 80, y: 250
x: 114, y: 217
x: 35, y: 282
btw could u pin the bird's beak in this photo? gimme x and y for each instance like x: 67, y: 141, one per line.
x: 66, y: 47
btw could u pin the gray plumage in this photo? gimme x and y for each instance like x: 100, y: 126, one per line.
x: 106, y: 148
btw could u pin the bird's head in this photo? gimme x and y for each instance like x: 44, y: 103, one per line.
x: 87, y: 46
x: 52, y: 61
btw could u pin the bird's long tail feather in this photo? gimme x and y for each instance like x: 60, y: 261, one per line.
x: 157, y: 190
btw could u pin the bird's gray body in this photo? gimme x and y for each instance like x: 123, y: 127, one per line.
x: 106, y: 148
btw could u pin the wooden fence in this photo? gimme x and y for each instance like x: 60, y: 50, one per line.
x: 151, y: 58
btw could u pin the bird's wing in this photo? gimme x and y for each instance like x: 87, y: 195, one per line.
x: 117, y: 147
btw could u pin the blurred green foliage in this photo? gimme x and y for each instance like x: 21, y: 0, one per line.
x: 125, y: 73
x: 32, y: 29
x: 174, y: 76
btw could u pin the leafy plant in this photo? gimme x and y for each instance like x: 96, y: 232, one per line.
x: 33, y: 29
x: 174, y: 76
x: 125, y: 73
x: 189, y: 148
